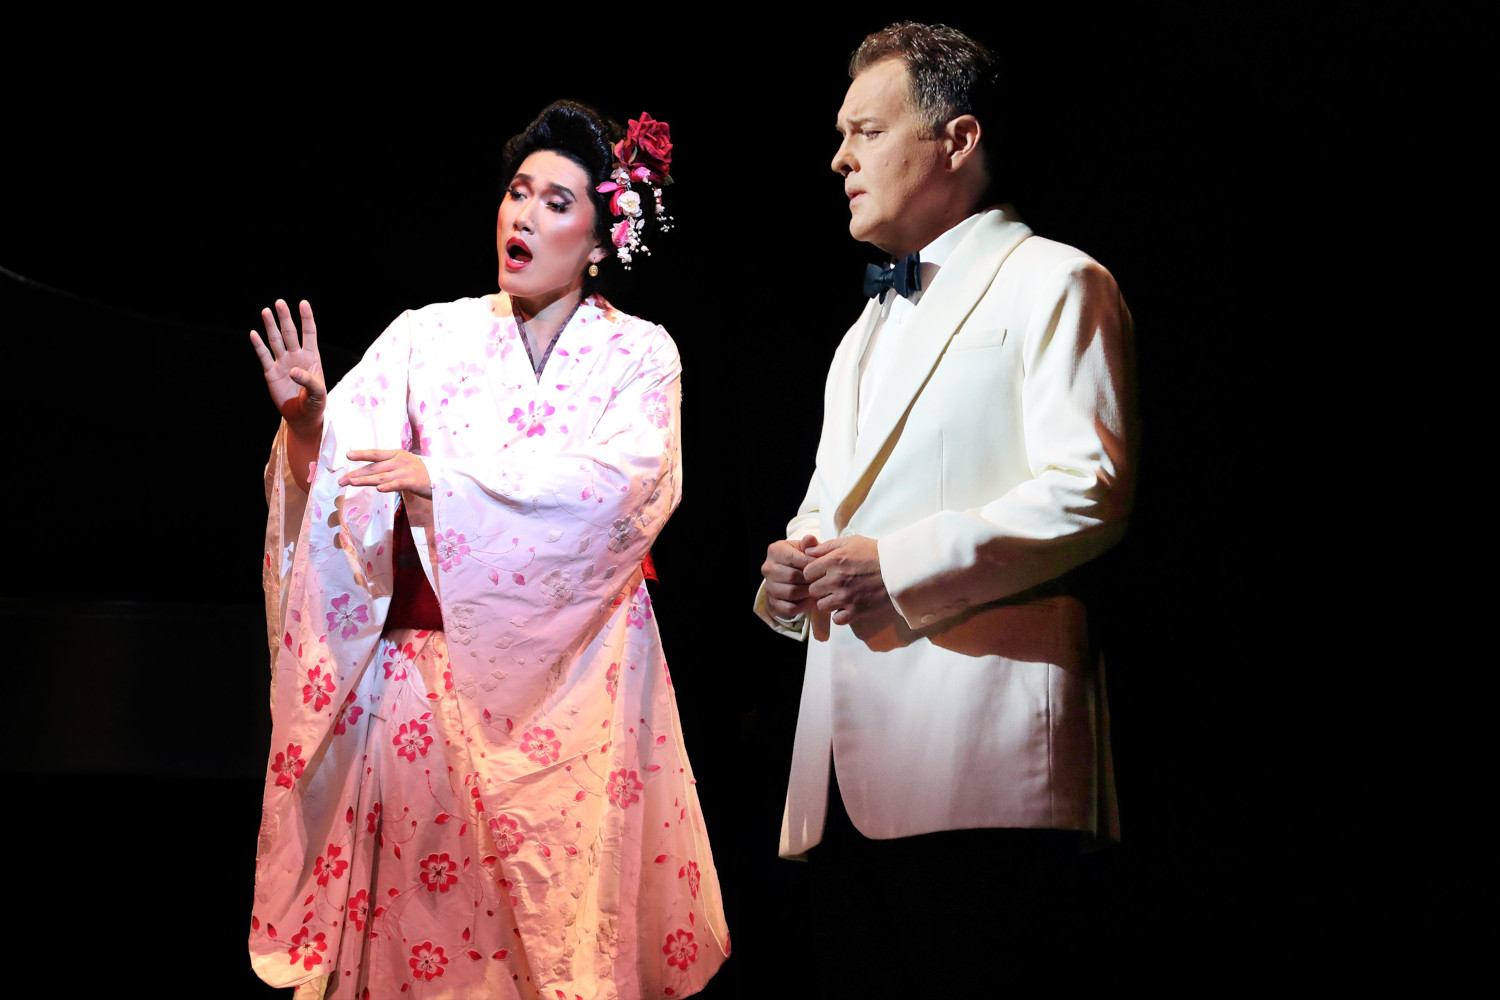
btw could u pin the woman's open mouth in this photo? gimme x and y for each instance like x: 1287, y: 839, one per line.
x: 517, y: 254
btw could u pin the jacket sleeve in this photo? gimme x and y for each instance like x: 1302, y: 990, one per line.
x: 1075, y: 406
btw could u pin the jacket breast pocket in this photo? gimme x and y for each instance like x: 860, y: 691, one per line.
x: 979, y: 339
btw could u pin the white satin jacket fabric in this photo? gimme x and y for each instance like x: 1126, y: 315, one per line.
x: 995, y: 458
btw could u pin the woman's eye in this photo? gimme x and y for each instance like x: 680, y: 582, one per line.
x: 513, y: 194
x: 558, y: 206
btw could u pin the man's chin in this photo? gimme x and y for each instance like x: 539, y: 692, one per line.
x: 867, y: 235
x: 861, y: 231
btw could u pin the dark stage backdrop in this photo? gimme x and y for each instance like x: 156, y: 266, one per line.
x: 157, y: 194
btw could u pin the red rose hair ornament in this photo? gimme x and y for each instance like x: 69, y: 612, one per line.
x: 645, y: 155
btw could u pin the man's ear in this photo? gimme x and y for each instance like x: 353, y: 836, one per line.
x: 962, y: 138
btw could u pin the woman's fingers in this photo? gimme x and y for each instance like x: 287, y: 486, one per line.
x: 380, y: 470
x: 266, y: 361
x: 311, y: 381
x: 388, y: 472
x: 273, y: 334
x: 365, y: 475
x: 309, y: 328
x: 288, y: 328
x: 281, y: 331
x: 384, y: 480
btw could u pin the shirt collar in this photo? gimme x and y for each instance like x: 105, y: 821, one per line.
x: 935, y: 254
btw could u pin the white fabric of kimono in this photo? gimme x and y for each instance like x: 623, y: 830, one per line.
x: 503, y: 808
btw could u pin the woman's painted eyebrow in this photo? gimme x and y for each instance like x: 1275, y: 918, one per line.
x: 526, y: 179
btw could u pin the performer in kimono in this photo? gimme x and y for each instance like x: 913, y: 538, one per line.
x: 477, y: 785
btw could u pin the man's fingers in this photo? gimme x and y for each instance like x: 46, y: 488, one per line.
x: 781, y: 573
x: 370, y: 455
x: 815, y: 570
x: 787, y: 593
x: 785, y: 553
x: 819, y: 549
x: 823, y: 587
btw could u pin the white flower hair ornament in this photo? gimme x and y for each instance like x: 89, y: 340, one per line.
x: 645, y: 154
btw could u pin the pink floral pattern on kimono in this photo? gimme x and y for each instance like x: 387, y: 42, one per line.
x: 503, y: 808
x: 451, y: 549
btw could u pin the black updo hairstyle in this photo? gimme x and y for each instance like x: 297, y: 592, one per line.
x: 581, y: 134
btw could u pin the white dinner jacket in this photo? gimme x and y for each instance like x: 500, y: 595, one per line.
x: 995, y: 458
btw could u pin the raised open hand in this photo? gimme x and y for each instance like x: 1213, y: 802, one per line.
x: 293, y: 368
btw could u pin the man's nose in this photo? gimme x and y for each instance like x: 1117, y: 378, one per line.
x: 843, y: 161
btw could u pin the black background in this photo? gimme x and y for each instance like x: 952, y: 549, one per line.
x: 164, y: 181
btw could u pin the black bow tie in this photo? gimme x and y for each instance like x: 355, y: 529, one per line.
x: 905, y: 276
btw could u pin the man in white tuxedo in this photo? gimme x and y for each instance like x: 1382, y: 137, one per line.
x: 952, y: 748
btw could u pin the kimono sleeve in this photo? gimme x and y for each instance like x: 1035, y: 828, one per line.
x: 286, y: 502
x: 358, y: 415
x: 534, y: 549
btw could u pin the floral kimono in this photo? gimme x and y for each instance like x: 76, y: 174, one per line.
x: 502, y: 808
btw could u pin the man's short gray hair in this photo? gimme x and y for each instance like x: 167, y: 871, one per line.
x: 950, y: 73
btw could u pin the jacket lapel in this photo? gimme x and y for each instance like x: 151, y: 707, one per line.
x: 841, y: 401
x: 939, y: 315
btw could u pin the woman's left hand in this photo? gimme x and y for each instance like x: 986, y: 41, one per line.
x: 389, y: 471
